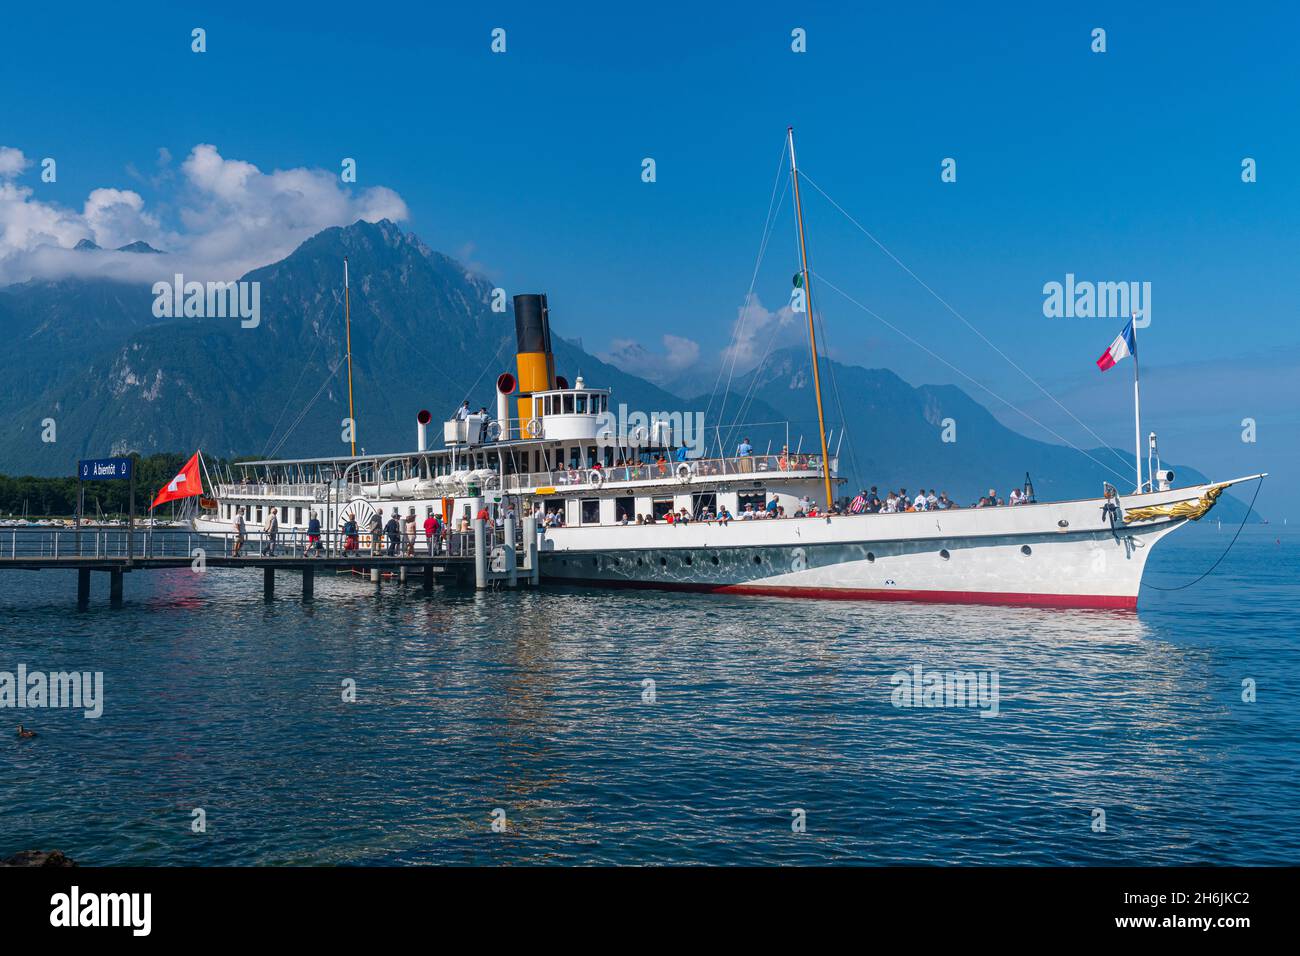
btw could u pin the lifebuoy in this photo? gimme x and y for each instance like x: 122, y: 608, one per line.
x: 534, y: 428
x: 493, y: 430
x: 596, y: 476
x: 683, y: 473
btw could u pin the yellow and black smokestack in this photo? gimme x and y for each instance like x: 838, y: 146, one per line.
x: 533, y: 359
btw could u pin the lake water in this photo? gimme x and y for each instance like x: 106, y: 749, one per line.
x: 532, y: 703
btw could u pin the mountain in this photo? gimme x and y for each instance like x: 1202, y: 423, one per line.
x: 115, y: 377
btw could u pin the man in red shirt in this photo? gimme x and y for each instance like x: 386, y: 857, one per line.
x: 431, y: 531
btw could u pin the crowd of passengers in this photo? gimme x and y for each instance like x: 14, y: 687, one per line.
x: 866, y: 502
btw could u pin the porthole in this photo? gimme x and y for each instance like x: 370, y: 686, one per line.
x: 1026, y: 550
x: 1063, y: 523
x: 639, y: 561
x: 689, y: 559
x: 715, y: 559
x: 663, y: 562
x: 758, y: 559
x: 944, y: 554
x: 870, y: 557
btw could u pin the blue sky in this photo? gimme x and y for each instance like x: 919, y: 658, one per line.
x: 1115, y: 166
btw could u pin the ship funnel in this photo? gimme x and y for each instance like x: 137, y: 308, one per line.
x: 422, y: 429
x: 533, y: 359
x: 505, y: 386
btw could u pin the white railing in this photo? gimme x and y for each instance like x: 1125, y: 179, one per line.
x: 697, y: 469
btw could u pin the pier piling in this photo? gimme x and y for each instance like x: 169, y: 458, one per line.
x: 374, y: 575
x: 308, y: 583
x: 83, y: 588
x: 512, y: 569
x: 530, y: 543
x: 480, y: 550
x: 428, y: 577
x: 268, y: 583
x: 115, y: 588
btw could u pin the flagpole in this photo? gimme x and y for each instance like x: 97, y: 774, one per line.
x: 1137, y: 409
x: 347, y: 319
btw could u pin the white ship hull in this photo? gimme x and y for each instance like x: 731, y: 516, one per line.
x: 1059, y: 554
x: 1063, y: 554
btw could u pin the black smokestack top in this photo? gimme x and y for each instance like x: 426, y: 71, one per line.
x: 532, y: 323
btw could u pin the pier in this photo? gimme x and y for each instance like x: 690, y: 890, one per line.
x: 485, y: 557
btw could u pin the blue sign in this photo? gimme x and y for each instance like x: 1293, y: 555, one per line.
x: 101, y: 469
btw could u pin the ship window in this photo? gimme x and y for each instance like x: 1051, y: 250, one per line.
x: 591, y: 511
x: 701, y: 503
x: 568, y: 404
x: 259, y: 514
x: 757, y: 498
x: 538, y: 408
x: 625, y: 508
x: 1026, y: 550
x: 591, y: 455
x: 575, y: 457
x: 870, y: 557
x: 581, y: 406
x: 297, y: 516
x: 660, y: 507
x: 944, y: 554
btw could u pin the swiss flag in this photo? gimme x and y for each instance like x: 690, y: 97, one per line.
x: 186, y: 484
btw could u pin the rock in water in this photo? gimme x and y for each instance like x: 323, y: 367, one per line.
x: 38, y: 858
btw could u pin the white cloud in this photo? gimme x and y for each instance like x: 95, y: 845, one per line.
x: 12, y: 162
x: 232, y: 218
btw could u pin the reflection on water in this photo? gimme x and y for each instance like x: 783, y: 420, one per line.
x: 532, y: 703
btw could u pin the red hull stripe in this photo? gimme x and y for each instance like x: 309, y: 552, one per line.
x: 1108, y: 601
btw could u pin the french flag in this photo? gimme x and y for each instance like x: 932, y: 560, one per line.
x: 1125, y: 344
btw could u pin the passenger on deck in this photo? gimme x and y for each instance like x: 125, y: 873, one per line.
x: 393, y: 532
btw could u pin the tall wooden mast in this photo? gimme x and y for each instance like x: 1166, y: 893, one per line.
x: 812, y: 331
x: 347, y: 321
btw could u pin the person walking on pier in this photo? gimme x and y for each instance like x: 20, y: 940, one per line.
x: 349, y: 536
x: 270, y: 528
x: 394, y: 532
x: 313, y: 535
x: 409, y: 532
x: 241, y: 530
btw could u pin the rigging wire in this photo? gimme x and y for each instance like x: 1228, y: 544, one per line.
x: 977, y: 384
x: 301, y: 375
x: 769, y: 226
x: 303, y: 414
x: 1101, y: 442
x: 1258, y: 485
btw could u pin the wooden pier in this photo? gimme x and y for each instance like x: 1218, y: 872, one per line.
x: 483, y: 558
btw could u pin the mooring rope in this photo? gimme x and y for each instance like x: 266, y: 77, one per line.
x: 1180, y: 587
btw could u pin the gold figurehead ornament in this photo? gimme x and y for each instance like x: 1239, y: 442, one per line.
x: 1194, y: 510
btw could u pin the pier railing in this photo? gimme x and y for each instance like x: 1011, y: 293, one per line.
x: 118, y: 543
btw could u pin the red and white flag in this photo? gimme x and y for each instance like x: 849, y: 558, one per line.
x: 1124, y: 345
x: 186, y: 484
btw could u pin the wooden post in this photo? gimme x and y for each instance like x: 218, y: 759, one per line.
x: 428, y: 577
x: 115, y: 587
x: 308, y: 583
x: 268, y: 583
x: 83, y: 588
x: 530, y: 542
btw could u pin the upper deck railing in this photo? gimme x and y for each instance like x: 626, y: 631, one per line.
x: 630, y: 473
x: 691, y: 470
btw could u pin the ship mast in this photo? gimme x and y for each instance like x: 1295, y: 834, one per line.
x: 347, y: 320
x: 812, y: 332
